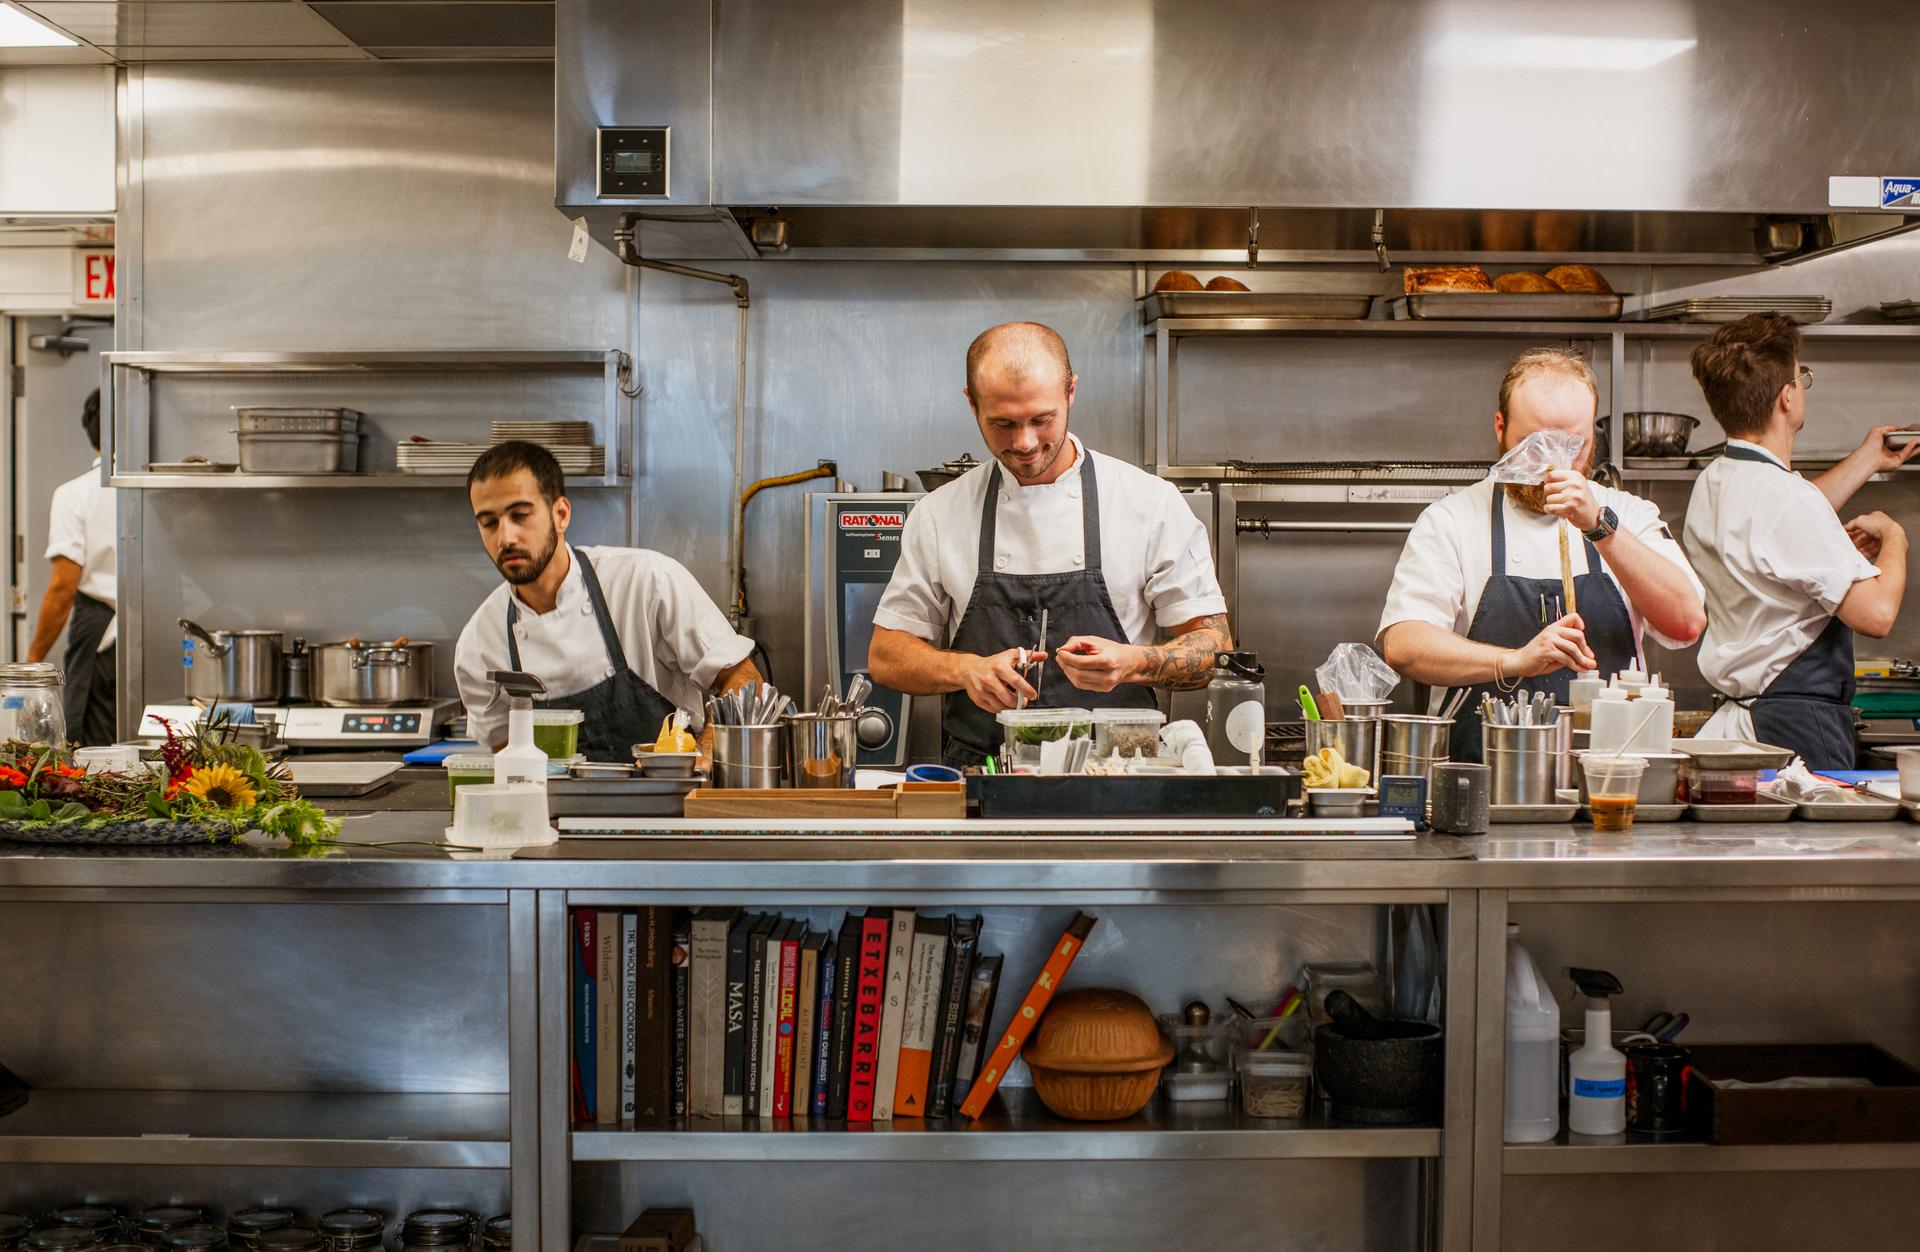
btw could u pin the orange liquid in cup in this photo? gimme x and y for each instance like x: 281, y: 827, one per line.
x: 1612, y: 812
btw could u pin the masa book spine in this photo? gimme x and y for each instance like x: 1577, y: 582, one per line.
x: 1027, y: 1015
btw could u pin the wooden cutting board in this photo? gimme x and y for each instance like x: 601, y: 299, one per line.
x: 788, y: 802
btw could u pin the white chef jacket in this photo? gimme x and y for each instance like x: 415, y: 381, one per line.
x: 80, y: 527
x: 675, y: 637
x: 1153, y: 550
x: 1776, y: 561
x: 1449, y: 556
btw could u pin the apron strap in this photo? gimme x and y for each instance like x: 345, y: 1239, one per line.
x: 1089, y: 514
x: 1748, y: 454
x: 616, y: 657
x: 989, y: 521
x: 1497, y: 529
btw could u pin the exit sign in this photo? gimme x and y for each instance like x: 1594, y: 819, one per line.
x: 93, y: 276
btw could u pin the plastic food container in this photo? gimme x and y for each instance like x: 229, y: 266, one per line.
x: 501, y: 815
x: 1613, y: 786
x: 467, y: 767
x: 556, y: 732
x: 1127, y: 732
x: 1024, y: 730
x: 1215, y: 1085
x: 1701, y: 785
x: 1274, y: 1083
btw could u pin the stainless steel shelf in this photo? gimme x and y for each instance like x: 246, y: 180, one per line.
x: 1016, y: 1128
x: 1648, y: 1156
x: 1185, y: 327
x: 321, y: 482
x: 1678, y: 475
x: 295, y: 1129
x: 360, y: 362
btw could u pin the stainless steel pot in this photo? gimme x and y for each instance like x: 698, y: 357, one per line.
x: 232, y: 665
x: 354, y: 672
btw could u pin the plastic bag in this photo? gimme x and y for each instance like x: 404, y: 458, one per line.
x: 1353, y: 671
x: 1533, y: 458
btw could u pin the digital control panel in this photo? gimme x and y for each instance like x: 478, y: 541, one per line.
x: 380, y: 724
x: 863, y: 545
x: 632, y: 161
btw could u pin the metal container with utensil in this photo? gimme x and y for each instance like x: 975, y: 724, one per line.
x: 1413, y: 744
x: 1357, y: 739
x: 821, y: 749
x: 237, y: 666
x: 1522, y: 759
x: 749, y: 756
x: 354, y: 673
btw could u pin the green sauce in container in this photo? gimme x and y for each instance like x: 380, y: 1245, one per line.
x: 556, y: 732
x: 467, y: 767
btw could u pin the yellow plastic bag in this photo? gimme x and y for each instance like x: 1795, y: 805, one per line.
x: 1327, y: 768
x: 673, y: 734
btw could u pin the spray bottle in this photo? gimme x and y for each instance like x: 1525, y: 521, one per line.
x: 521, y: 761
x: 1597, y: 1073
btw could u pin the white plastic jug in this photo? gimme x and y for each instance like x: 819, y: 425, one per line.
x: 1613, y: 719
x: 1533, y: 1049
x: 1653, y: 712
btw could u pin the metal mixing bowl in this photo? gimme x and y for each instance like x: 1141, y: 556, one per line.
x: 1656, y: 434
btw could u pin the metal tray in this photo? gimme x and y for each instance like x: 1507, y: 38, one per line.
x: 1762, y: 812
x: 619, y: 797
x: 1328, y: 305
x: 1853, y: 807
x: 255, y: 420
x: 191, y: 467
x: 340, y: 779
x: 1733, y: 753
x: 1509, y: 814
x: 1901, y: 310
x: 1507, y: 306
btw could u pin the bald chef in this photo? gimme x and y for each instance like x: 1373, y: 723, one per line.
x: 1471, y: 603
x: 1109, y: 554
x: 623, y: 634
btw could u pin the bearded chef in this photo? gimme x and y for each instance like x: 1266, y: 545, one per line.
x: 625, y: 635
x: 1465, y: 609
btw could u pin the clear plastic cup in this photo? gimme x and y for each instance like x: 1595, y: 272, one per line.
x: 1613, y: 788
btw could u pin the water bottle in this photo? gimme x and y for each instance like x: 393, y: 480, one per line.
x: 1237, y: 679
x: 1533, y: 1049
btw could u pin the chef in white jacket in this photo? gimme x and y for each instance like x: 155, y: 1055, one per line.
x: 1788, y: 585
x: 82, y: 591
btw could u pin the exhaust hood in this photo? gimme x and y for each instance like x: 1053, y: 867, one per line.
x: 1687, y: 131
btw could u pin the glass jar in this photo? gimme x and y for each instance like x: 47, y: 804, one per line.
x: 289, y: 1239
x: 102, y: 1219
x: 14, y: 1230
x: 32, y: 708
x: 247, y: 1225
x: 436, y: 1229
x: 352, y: 1230
x: 61, y: 1239
x: 154, y: 1224
x: 195, y: 1239
x: 496, y: 1235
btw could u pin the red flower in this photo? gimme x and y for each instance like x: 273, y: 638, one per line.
x: 12, y: 777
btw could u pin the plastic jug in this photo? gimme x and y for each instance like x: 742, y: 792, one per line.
x: 1533, y: 1049
x: 1655, y: 708
x: 1613, y: 719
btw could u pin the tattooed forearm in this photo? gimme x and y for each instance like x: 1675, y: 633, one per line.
x: 1186, y: 660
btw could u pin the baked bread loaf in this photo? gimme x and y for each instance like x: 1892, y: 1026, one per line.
x: 1178, y: 280
x: 1424, y: 278
x: 1581, y: 278
x: 1522, y: 281
x: 1223, y: 283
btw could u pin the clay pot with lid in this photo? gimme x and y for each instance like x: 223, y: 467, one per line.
x: 1096, y: 1055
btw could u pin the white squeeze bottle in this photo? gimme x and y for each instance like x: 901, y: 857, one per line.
x: 1613, y: 717
x: 1597, y: 1073
x: 1533, y: 1049
x: 521, y: 761
x: 1655, y: 708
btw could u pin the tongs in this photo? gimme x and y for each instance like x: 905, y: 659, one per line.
x: 1027, y: 667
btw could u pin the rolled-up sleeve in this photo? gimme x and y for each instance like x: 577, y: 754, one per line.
x: 1428, y: 583
x: 1642, y: 519
x: 1808, y: 549
x: 1182, y: 584
x: 693, y: 633
x: 67, y: 524
x: 915, y: 602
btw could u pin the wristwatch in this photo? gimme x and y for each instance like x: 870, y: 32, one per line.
x: 1608, y: 523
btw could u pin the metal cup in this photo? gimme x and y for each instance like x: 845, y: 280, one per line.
x: 1522, y: 759
x: 749, y: 756
x: 1458, y: 791
x: 821, y: 750
x: 1357, y: 739
x: 1413, y: 744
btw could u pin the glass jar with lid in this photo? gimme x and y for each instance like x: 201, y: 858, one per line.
x: 204, y: 1238
x: 151, y: 1225
x: 438, y: 1229
x: 289, y: 1239
x: 102, y: 1219
x: 61, y: 1239
x: 32, y: 708
x: 352, y: 1230
x: 496, y: 1234
x: 247, y: 1225
x: 14, y: 1229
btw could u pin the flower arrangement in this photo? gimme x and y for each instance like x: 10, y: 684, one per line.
x: 226, y: 789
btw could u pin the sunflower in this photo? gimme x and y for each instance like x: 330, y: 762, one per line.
x: 222, y: 786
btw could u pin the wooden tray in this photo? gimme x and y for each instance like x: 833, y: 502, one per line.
x: 1887, y: 1112
x: 773, y: 802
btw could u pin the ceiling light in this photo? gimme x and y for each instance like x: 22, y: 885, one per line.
x: 20, y: 29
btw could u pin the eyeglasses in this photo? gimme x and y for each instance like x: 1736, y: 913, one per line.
x: 1805, y: 378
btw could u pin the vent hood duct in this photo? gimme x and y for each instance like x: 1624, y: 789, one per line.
x: 1686, y: 131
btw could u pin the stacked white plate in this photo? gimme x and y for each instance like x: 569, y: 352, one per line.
x: 432, y: 457
x: 1802, y: 309
x: 547, y: 434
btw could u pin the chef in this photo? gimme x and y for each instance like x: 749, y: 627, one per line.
x: 81, y: 593
x: 1109, y: 555
x: 623, y: 634
x: 1475, y: 600
x: 1787, y: 584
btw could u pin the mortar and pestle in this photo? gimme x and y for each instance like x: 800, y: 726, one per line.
x: 1381, y: 1071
